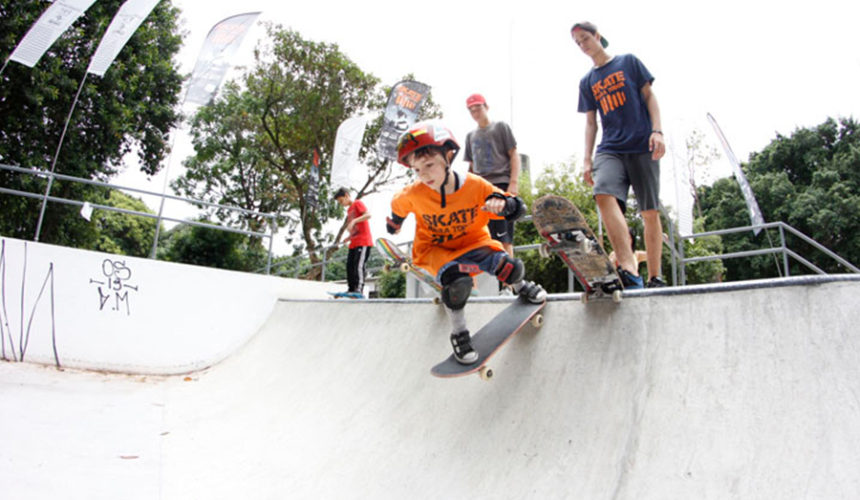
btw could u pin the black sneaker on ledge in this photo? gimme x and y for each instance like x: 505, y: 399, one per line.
x: 655, y: 282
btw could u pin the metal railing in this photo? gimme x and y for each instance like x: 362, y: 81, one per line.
x: 678, y: 253
x: 675, y: 244
x: 46, y: 174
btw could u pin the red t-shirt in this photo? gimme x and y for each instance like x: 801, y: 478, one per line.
x: 360, y: 235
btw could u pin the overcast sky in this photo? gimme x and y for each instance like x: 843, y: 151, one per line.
x: 760, y: 67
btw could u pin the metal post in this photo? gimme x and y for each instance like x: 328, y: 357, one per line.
x: 784, y: 247
x: 57, y: 155
x: 271, y: 240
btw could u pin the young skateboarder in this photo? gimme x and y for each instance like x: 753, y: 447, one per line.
x: 452, y: 241
x: 360, y: 241
x: 619, y: 88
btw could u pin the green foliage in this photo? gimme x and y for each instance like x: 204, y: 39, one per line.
x: 131, y: 108
x: 811, y: 181
x: 709, y: 271
x: 392, y: 284
x: 203, y: 246
x: 121, y: 233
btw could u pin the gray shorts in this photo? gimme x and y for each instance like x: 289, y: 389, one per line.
x: 615, y: 173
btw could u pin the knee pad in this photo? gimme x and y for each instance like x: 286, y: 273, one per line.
x: 456, y: 288
x: 510, y: 270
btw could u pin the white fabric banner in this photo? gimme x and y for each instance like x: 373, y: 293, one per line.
x: 44, y: 32
x: 756, y: 217
x: 346, y: 170
x: 124, y: 24
x: 213, y: 62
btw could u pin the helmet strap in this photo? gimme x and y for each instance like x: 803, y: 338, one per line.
x: 445, y: 182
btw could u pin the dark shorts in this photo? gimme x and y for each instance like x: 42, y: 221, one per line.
x: 614, y: 174
x: 484, y: 258
x: 500, y: 229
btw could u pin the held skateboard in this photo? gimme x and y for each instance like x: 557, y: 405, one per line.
x: 567, y: 234
x: 398, y: 260
x: 490, y: 339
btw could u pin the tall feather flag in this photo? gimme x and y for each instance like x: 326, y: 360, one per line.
x: 47, y: 29
x: 756, y: 217
x: 124, y: 24
x: 223, y: 40
x: 404, y: 103
x: 346, y: 170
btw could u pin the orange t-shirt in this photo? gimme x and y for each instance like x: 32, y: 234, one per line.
x: 443, y: 234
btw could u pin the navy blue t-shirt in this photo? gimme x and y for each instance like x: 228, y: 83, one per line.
x: 614, y: 90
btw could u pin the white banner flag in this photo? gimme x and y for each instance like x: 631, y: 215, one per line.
x: 346, y: 170
x: 44, y: 32
x: 756, y: 217
x: 213, y: 62
x: 124, y: 24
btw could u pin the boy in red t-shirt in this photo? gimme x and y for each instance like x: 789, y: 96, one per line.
x: 451, y: 237
x: 360, y: 241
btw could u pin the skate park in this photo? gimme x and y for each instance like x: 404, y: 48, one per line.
x: 146, y: 379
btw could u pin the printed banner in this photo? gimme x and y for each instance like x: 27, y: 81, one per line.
x: 44, y: 32
x: 124, y: 24
x: 346, y: 170
x: 404, y: 103
x: 223, y: 40
x: 756, y: 217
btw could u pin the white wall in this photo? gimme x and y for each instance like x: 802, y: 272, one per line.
x: 116, y: 313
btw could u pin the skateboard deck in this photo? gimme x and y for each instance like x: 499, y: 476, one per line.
x: 346, y: 295
x: 399, y: 260
x: 491, y: 337
x: 567, y: 234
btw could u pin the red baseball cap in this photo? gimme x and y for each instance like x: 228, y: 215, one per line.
x: 475, y: 99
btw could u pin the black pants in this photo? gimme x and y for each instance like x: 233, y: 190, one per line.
x: 356, y: 267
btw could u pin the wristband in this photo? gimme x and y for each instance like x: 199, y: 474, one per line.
x: 657, y: 132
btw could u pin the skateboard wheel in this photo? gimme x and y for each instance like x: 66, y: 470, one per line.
x: 437, y: 300
x: 616, y: 296
x: 543, y: 250
x: 404, y: 268
x: 386, y: 267
x: 486, y: 373
x: 537, y: 321
x: 584, y: 297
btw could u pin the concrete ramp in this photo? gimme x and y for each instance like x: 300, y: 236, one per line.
x: 741, y: 391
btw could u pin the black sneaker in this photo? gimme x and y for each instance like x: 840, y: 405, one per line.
x: 629, y: 280
x: 463, y: 352
x: 655, y: 282
x: 532, y: 292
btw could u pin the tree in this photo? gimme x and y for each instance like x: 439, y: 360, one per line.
x: 212, y: 247
x: 228, y: 167
x: 121, y: 233
x: 811, y: 181
x: 255, y: 144
x: 698, y: 158
x: 131, y: 108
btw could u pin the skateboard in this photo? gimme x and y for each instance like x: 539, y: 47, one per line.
x: 395, y: 256
x: 399, y: 260
x: 567, y: 234
x: 346, y: 295
x: 491, y: 337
